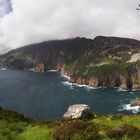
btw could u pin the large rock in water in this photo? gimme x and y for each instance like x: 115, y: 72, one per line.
x: 136, y: 102
x: 77, y: 111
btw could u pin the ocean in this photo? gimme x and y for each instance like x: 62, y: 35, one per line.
x: 48, y: 95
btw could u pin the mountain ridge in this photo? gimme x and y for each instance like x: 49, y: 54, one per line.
x: 99, y: 36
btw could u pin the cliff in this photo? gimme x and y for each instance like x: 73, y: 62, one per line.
x: 125, y: 75
x: 103, y: 61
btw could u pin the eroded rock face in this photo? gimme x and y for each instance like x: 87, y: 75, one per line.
x: 123, y: 84
x: 94, y: 82
x: 77, y: 111
x: 136, y: 77
x: 40, y: 67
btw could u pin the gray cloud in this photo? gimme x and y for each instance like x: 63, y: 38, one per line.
x: 35, y: 21
x: 3, y: 7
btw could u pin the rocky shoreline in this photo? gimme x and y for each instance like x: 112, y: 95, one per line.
x: 95, y: 83
x: 98, y: 62
x: 92, y: 83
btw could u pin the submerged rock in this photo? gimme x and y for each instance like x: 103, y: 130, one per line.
x: 135, y: 103
x: 77, y: 111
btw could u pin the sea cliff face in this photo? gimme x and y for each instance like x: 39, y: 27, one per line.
x: 136, y: 77
x: 103, y: 61
x: 126, y: 79
x: 40, y: 67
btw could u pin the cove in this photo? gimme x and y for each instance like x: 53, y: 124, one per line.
x: 48, y: 95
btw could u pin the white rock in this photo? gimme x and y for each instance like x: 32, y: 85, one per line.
x: 77, y: 111
x: 135, y: 57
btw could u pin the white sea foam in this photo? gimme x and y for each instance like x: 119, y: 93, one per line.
x: 32, y: 69
x: 86, y: 86
x: 128, y: 107
x: 67, y: 83
x: 52, y: 71
x: 65, y: 76
x: 89, y: 87
x: 132, y: 92
x: 120, y: 90
x: 3, y: 69
x: 136, y: 89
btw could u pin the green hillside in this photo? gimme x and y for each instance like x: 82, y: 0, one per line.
x: 14, y: 126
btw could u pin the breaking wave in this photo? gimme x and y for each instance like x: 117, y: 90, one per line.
x: 128, y: 107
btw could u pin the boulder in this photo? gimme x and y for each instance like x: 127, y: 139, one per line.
x: 77, y: 111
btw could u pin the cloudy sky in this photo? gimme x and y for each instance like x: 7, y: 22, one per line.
x: 24, y: 22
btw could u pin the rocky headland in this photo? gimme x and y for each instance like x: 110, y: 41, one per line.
x: 103, y: 61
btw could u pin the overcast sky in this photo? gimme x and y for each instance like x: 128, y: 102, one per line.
x: 24, y: 22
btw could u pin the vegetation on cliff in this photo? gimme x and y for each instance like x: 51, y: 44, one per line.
x: 103, y: 61
x: 110, y: 73
x: 88, y: 69
x: 14, y: 126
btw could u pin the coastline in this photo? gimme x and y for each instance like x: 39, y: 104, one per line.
x: 127, y: 107
x: 90, y: 87
x: 79, y: 85
x: 76, y: 84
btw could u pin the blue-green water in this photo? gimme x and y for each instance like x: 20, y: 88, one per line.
x: 48, y: 95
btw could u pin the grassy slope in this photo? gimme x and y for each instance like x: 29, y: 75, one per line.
x: 87, y: 69
x: 14, y: 126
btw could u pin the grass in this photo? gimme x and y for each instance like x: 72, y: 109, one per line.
x: 118, y: 120
x: 36, y: 133
x: 14, y: 126
x: 20, y: 131
x: 79, y: 69
x: 19, y: 55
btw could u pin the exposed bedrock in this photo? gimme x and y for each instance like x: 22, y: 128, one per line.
x: 126, y: 80
x: 40, y: 68
x: 135, y: 77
